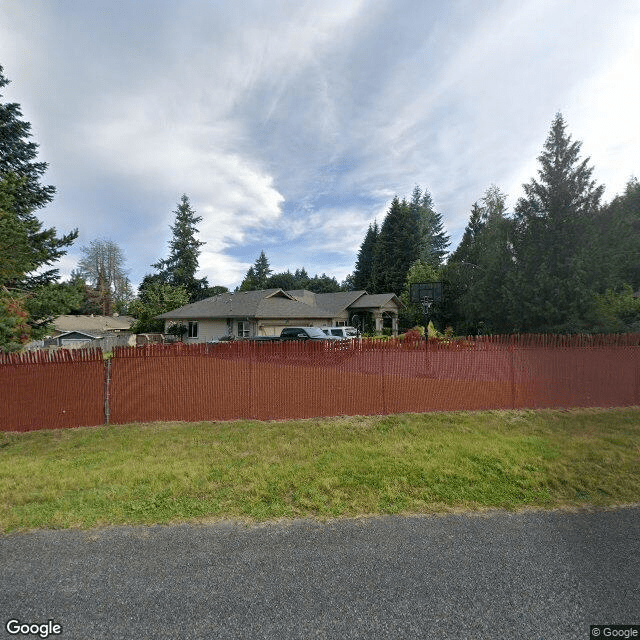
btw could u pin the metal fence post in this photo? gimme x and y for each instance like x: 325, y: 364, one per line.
x: 107, y: 389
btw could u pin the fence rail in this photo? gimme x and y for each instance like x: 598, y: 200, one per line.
x: 299, y: 380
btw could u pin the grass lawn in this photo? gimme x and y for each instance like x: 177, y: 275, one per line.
x: 322, y: 468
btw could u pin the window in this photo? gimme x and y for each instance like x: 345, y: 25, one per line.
x: 192, y: 331
x: 244, y: 329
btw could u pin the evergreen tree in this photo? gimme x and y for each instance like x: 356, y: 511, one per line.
x: 20, y: 175
x: 397, y: 248
x: 154, y: 298
x: 615, y: 244
x: 434, y: 242
x: 477, y: 269
x: 412, y: 314
x: 551, y: 240
x: 179, y: 269
x: 323, y: 284
x: 362, y: 275
x: 285, y: 280
x: 257, y: 277
x: 28, y: 300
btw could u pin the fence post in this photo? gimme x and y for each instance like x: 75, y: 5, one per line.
x: 107, y: 389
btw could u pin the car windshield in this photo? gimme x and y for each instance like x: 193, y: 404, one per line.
x: 352, y: 333
x: 314, y: 332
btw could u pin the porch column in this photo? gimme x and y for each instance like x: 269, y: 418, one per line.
x: 379, y: 321
x: 394, y: 324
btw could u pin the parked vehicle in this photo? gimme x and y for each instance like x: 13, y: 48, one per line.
x: 296, y: 333
x: 346, y: 333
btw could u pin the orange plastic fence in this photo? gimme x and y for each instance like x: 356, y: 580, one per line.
x: 299, y: 380
x: 51, y: 390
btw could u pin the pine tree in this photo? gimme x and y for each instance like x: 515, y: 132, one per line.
x: 21, y: 176
x: 551, y: 239
x: 29, y: 294
x: 398, y: 246
x: 361, y: 279
x: 477, y: 269
x: 180, y: 267
x: 257, y: 278
x: 434, y: 242
x: 615, y: 243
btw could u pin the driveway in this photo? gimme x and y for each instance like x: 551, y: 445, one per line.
x: 497, y: 575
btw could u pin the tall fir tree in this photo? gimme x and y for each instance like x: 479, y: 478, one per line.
x: 257, y: 277
x: 362, y: 275
x: 397, y: 248
x: 22, y: 174
x: 29, y: 294
x: 553, y: 219
x: 477, y: 269
x: 179, y: 269
x: 615, y: 243
x: 434, y: 241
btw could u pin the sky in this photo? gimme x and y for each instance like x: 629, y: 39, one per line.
x: 291, y: 125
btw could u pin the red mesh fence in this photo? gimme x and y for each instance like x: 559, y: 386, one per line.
x: 275, y: 380
x: 299, y: 380
x: 51, y: 390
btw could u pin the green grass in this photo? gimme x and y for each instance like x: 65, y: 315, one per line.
x: 323, y: 468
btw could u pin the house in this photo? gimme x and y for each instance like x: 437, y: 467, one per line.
x: 91, y: 331
x: 245, y: 314
x: 93, y: 324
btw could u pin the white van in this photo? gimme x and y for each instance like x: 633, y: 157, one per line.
x: 346, y: 333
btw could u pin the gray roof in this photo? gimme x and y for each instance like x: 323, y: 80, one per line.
x: 276, y: 303
x: 93, y: 324
x: 272, y: 303
x: 376, y: 300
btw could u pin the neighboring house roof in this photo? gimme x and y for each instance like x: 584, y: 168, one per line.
x: 276, y: 303
x: 272, y: 303
x: 77, y: 335
x: 369, y: 301
x: 93, y: 324
x: 334, y: 302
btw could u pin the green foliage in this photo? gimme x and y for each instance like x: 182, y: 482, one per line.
x: 412, y: 314
x: 363, y: 273
x: 433, y: 240
x: 615, y: 241
x: 29, y: 297
x: 48, y: 301
x: 478, y: 270
x: 410, y: 231
x: 551, y: 240
x: 397, y: 248
x: 617, y: 311
x: 179, y: 269
x: 178, y: 329
x: 14, y: 328
x: 258, y: 275
x: 155, y: 298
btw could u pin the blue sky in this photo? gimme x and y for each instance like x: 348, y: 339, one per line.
x: 291, y: 124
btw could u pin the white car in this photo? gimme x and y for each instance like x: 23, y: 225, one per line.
x: 344, y: 333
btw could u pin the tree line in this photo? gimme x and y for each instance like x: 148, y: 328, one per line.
x: 561, y: 261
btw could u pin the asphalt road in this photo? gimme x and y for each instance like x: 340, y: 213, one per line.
x: 499, y: 575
